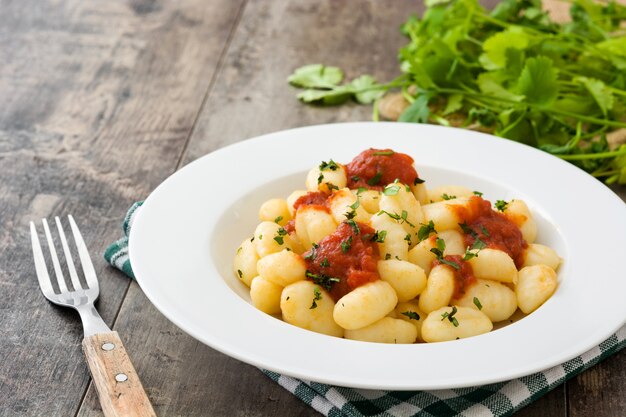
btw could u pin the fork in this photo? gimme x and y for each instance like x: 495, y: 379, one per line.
x: 118, y: 385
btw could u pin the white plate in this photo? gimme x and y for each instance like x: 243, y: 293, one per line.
x: 183, y: 241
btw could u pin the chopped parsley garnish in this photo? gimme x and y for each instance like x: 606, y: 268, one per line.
x: 331, y: 186
x: 501, y: 205
x: 317, y: 295
x: 478, y: 193
x: 468, y: 254
x: 477, y: 303
x: 356, y: 178
x: 387, y: 256
x: 279, y: 239
x: 239, y: 249
x: 396, y: 216
x: 355, y: 205
x: 325, y: 263
x: 418, y: 180
x: 391, y: 190
x: 411, y: 315
x: 450, y: 317
x: 311, y: 255
x: 278, y: 219
x: 329, y: 166
x: 252, y: 239
x: 375, y: 179
x: 346, y: 245
x: 240, y: 273
x: 354, y: 226
x: 260, y: 237
x: 408, y: 238
x: 322, y: 280
x: 360, y: 189
x: 447, y: 197
x: 379, y: 236
x: 425, y: 230
x: 484, y: 230
x: 438, y: 251
x: 478, y: 243
x: 350, y: 214
x: 383, y: 153
x: 320, y: 178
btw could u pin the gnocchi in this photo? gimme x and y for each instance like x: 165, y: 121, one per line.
x: 367, y: 251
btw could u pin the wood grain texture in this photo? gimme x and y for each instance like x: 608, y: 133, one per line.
x: 98, y: 99
x: 119, y: 388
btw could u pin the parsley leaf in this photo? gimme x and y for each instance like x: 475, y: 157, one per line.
x: 501, y: 205
x: 411, y: 315
x: 346, y: 244
x: 477, y: 303
x: 316, y: 76
x: 375, y: 179
x: 317, y: 295
x: 425, y: 230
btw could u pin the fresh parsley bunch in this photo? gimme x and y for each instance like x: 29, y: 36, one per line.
x: 514, y: 72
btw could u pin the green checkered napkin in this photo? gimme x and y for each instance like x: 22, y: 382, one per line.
x: 501, y: 399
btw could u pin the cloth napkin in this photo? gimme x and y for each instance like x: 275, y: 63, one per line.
x: 493, y: 400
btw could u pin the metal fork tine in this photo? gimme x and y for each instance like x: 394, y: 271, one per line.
x: 40, y: 264
x: 83, y: 253
x: 68, y: 256
x: 55, y: 259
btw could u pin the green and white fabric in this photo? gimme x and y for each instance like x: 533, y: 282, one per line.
x: 500, y: 399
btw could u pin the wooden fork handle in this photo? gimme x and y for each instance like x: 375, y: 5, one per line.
x: 118, y: 385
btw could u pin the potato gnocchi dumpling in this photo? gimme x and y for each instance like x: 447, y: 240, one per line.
x: 367, y: 251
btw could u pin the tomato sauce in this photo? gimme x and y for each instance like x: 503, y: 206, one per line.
x: 348, y: 255
x: 375, y: 168
x: 463, y: 277
x: 493, y: 228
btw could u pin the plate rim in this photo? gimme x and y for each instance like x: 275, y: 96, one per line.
x: 158, y: 303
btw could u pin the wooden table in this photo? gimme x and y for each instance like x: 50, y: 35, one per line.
x: 101, y: 101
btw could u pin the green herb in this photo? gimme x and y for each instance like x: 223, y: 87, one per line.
x: 252, y: 239
x: 477, y: 303
x: 418, y: 180
x: 404, y: 216
x: 469, y: 255
x: 356, y: 178
x: 240, y: 273
x: 325, y: 263
x: 317, y: 295
x: 346, y: 245
x: 501, y: 205
x: 360, y: 190
x: 355, y: 205
x: 478, y: 193
x: 408, y: 238
x: 450, y: 316
x: 425, y: 230
x: 278, y: 219
x: 512, y: 71
x: 383, y: 153
x: 411, y: 315
x: 350, y: 214
x: 310, y: 256
x: 322, y: 280
x: 329, y: 166
x: 438, y: 250
x: 375, y: 179
x: 391, y: 190
x: 279, y: 239
x: 484, y: 230
x: 447, y: 197
x: 354, y: 226
x: 239, y: 249
x: 379, y: 236
x: 281, y: 232
x: 387, y: 256
x: 260, y: 237
x: 320, y: 178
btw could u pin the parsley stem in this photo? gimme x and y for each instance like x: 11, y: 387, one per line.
x: 606, y: 173
x: 600, y: 155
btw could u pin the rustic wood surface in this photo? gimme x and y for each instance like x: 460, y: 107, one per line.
x: 101, y: 101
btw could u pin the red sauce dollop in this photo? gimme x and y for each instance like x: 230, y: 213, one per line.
x: 347, y: 255
x: 463, y: 277
x: 493, y: 228
x: 375, y: 168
